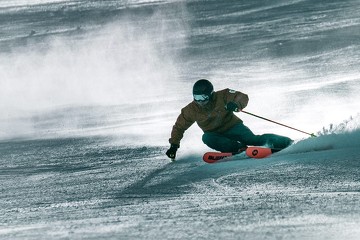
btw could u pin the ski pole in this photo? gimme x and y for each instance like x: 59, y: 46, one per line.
x: 311, y: 134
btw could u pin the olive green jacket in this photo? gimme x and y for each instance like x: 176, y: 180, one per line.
x: 213, y: 117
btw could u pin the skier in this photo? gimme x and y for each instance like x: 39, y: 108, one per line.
x: 223, y: 130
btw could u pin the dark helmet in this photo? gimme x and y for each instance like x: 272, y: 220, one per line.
x: 203, y: 87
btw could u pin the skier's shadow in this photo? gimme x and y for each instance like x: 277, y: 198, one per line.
x: 179, y: 177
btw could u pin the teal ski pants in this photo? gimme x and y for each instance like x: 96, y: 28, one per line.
x: 240, y: 136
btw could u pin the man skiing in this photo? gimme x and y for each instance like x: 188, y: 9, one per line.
x: 223, y: 130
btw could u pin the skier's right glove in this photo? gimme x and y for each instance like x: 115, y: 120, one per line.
x: 171, y: 153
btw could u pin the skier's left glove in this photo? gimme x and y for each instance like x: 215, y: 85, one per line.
x: 171, y: 153
x: 232, y: 107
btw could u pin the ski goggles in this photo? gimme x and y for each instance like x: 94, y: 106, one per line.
x: 201, y: 98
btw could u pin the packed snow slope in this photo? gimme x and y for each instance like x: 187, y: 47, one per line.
x: 88, y: 188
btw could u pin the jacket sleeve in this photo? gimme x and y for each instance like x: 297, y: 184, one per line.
x: 183, y: 122
x: 241, y: 99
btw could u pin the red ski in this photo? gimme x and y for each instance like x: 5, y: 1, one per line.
x: 252, y: 152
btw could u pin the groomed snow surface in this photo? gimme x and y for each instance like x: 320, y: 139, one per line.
x: 85, y: 188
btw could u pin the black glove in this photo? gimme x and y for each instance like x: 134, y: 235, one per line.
x: 232, y: 107
x: 171, y: 153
